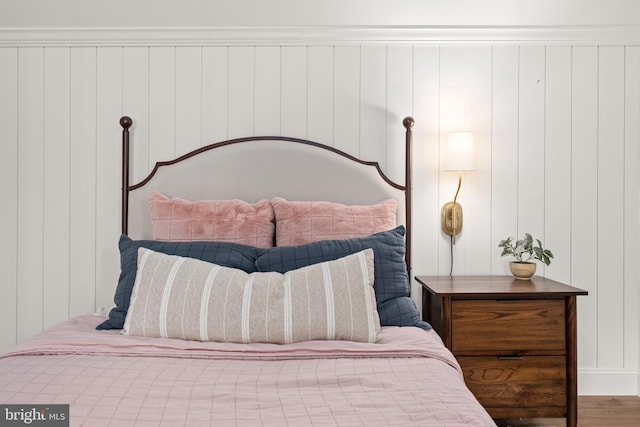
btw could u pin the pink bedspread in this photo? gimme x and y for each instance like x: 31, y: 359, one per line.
x: 114, y: 380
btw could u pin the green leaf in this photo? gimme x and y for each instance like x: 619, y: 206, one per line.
x: 539, y: 253
x: 505, y: 242
x: 528, y: 239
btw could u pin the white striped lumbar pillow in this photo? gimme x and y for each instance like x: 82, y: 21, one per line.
x: 175, y: 297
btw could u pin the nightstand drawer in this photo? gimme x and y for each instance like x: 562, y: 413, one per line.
x: 508, y: 325
x: 523, y: 382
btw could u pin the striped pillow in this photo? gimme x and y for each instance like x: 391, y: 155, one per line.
x: 176, y: 297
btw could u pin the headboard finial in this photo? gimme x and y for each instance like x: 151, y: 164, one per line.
x: 408, y: 122
x: 126, y: 122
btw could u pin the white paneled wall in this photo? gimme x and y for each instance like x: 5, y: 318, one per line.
x: 9, y: 191
x: 556, y: 127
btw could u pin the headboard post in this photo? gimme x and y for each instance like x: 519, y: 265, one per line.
x: 126, y: 123
x: 408, y: 123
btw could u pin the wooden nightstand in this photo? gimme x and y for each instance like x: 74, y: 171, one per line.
x: 515, y: 341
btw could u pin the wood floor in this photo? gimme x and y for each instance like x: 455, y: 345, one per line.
x: 593, y: 411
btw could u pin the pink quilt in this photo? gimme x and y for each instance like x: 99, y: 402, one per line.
x: 114, y: 380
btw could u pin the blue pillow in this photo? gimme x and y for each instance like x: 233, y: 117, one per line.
x: 400, y: 311
x: 391, y: 281
x: 227, y: 254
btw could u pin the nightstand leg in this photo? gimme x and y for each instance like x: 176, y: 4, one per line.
x: 572, y: 362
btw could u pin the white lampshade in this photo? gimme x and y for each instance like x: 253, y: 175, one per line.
x: 460, y: 152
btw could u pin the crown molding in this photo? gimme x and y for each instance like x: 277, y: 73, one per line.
x: 322, y: 35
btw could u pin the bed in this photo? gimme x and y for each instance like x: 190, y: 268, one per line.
x: 264, y: 281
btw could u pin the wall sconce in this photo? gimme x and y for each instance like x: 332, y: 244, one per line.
x: 459, y: 156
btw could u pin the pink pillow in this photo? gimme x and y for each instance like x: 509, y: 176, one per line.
x: 176, y: 220
x: 298, y: 223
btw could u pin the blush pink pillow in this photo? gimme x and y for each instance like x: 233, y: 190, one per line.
x: 298, y: 223
x: 176, y: 220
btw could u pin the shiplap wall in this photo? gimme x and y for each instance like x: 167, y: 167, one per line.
x: 556, y: 127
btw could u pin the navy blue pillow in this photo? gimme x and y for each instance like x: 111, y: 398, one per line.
x: 391, y: 281
x: 400, y: 311
x: 222, y: 253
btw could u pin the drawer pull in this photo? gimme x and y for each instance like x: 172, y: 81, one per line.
x: 509, y: 357
x: 507, y: 301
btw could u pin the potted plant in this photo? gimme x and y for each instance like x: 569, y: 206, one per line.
x: 525, y: 253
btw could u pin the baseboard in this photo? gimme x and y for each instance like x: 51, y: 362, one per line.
x: 608, y: 382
